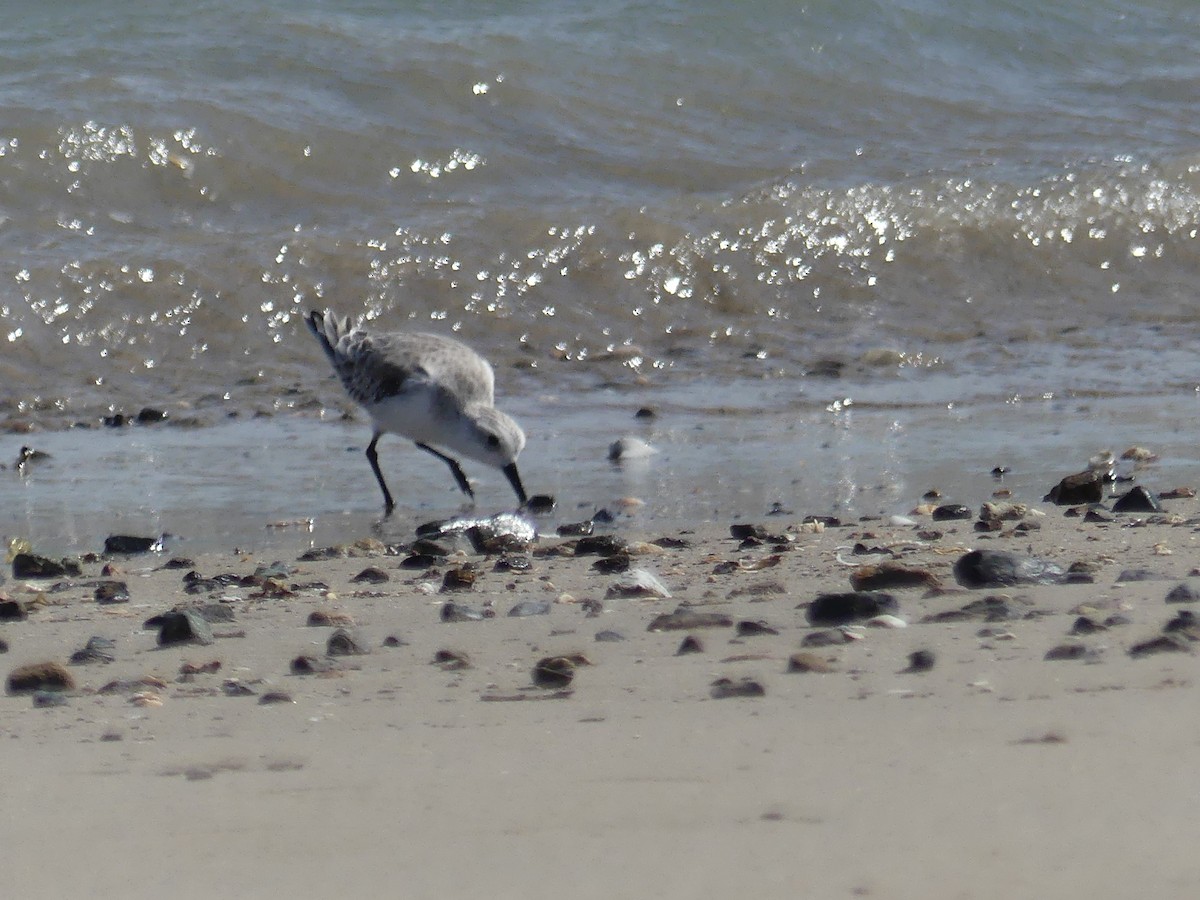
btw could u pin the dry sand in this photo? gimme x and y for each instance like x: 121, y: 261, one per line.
x: 997, y: 774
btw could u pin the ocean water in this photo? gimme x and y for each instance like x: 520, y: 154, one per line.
x: 843, y: 249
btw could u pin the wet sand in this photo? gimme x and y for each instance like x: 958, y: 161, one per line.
x: 997, y: 773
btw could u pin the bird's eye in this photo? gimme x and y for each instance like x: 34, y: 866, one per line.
x: 493, y: 441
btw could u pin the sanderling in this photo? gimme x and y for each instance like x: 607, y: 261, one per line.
x: 428, y: 388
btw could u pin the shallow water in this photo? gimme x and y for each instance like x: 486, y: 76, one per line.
x: 738, y: 214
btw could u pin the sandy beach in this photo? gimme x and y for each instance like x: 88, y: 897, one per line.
x: 995, y: 773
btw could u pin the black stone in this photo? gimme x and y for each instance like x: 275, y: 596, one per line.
x: 456, y: 612
x: 921, y: 661
x: 999, y: 568
x: 343, y: 643
x: 603, y: 637
x: 12, y: 611
x: 540, y: 504
x: 752, y: 628
x: 1137, y: 500
x: 576, y: 529
x: 1185, y: 592
x: 951, y: 511
x: 856, y: 606
x: 111, y: 592
x: 530, y: 608
x: 29, y: 565
x: 184, y: 626
x: 690, y: 644
x: 129, y: 544
x: 1082, y: 487
x: 371, y: 575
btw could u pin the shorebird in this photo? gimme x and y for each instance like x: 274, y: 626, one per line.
x: 430, y: 389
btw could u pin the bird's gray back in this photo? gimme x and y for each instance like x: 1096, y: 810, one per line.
x: 374, y: 367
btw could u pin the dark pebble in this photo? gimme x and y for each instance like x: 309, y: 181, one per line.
x: 44, y: 676
x: 129, y: 544
x: 184, y: 626
x: 328, y: 618
x: 418, y: 561
x: 752, y: 628
x: 1186, y: 624
x: 530, y: 608
x: 1164, y: 643
x: 1185, y: 592
x: 234, y: 688
x: 1085, y: 625
x: 456, y: 612
x: 148, y: 415
x: 842, y: 609
x: 553, y: 672
x: 1116, y: 620
x: 111, y: 592
x: 1140, y: 575
x: 451, y: 660
x: 514, y: 562
x: 12, y: 611
x: 576, y: 529
x: 684, y: 619
x: 47, y: 699
x: 459, y: 579
x: 371, y: 575
x: 892, y: 575
x: 988, y: 609
x: 97, y: 650
x: 1067, y: 651
x: 343, y: 643
x: 1082, y: 487
x: 275, y: 697
x: 179, y: 562
x: 644, y: 412
x: 609, y: 636
x: 999, y: 568
x: 599, y: 545
x: 392, y: 641
x: 613, y: 565
x: 30, y: 565
x: 723, y: 688
x: 311, y: 665
x: 825, y: 638
x: 1137, y: 500
x: 540, y: 504
x: 808, y: 662
x: 690, y: 644
x: 4, y: 645
x: 951, y: 511
x: 920, y: 661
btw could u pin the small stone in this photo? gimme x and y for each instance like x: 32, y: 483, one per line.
x: 393, y: 641
x: 371, y: 575
x: 191, y: 669
x: 459, y: 579
x: 1128, y: 575
x: 234, y: 688
x: 130, y: 544
x: 629, y: 448
x: 530, y: 608
x: 638, y: 583
x: 1082, y: 487
x: 576, y: 529
x: 920, y: 661
x: 686, y: 619
x: 320, y: 618
x: 1085, y: 625
x: 1164, y: 643
x: 690, y: 644
x: 1185, y: 592
x: 950, y: 512
x: 184, y: 626
x: 752, y: 628
x: 418, y: 561
x: 29, y: 565
x: 995, y: 608
x: 808, y: 662
x: 111, y: 592
x: 275, y: 697
x: 342, y: 643
x: 312, y: 665
x: 613, y: 565
x: 999, y: 568
x: 554, y: 672
x: 44, y: 676
x: 841, y: 609
x: 46, y: 699
x: 1137, y: 500
x: 826, y: 638
x: 97, y: 649
x: 451, y: 660
x: 514, y: 562
x: 1067, y: 651
x: 12, y: 611
x: 148, y: 415
x: 724, y: 688
x: 457, y: 612
x: 609, y: 637
x: 540, y: 504
x: 892, y: 575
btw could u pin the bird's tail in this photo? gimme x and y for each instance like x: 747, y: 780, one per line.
x: 328, y: 330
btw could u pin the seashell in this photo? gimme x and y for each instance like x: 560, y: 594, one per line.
x: 886, y: 621
x: 146, y: 698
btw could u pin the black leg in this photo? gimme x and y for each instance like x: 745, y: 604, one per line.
x: 455, y: 468
x: 373, y: 458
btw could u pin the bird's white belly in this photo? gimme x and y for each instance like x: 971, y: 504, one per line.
x: 416, y: 415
